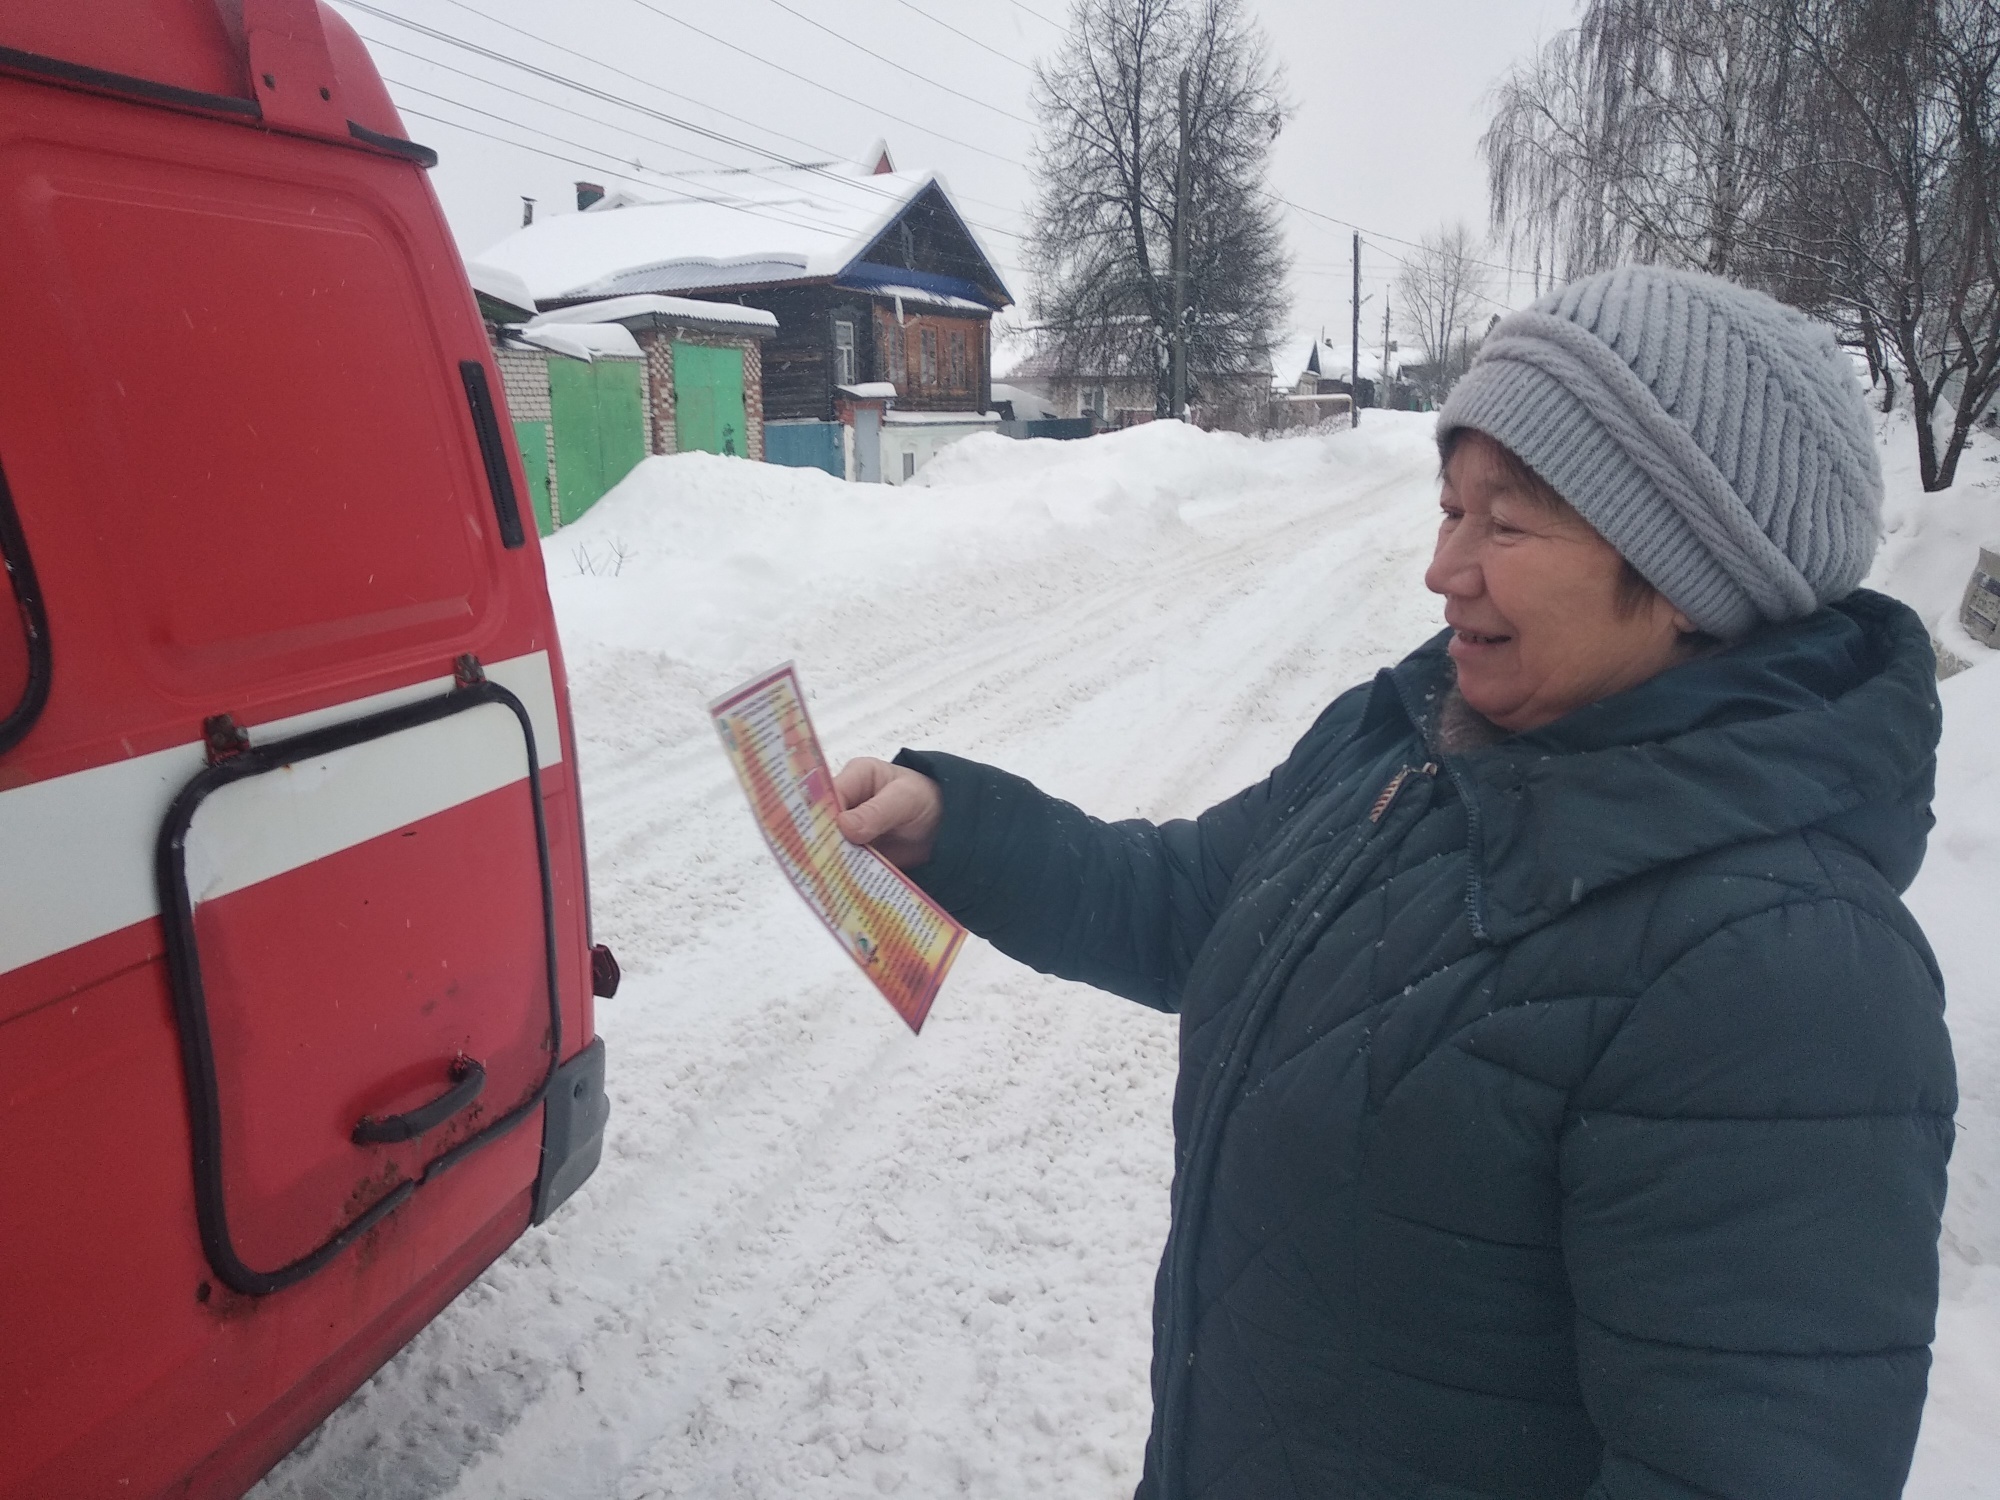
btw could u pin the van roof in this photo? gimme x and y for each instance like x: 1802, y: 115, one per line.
x: 291, y: 65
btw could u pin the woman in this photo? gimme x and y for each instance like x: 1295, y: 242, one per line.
x: 1565, y: 1097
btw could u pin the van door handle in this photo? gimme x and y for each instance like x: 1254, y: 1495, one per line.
x: 468, y: 1078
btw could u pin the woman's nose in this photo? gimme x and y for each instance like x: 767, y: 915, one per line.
x: 1454, y: 569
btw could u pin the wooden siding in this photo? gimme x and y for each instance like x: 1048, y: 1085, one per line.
x: 799, y: 374
x: 957, y: 384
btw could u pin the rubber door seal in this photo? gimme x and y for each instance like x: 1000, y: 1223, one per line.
x: 191, y: 1002
x: 20, y: 569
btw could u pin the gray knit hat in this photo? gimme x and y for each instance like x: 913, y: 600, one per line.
x: 1714, y: 436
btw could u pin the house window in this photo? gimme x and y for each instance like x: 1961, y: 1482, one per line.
x: 843, y: 352
x: 1093, y: 401
x: 958, y: 381
x: 898, y: 373
x: 929, y: 374
x: 909, y: 464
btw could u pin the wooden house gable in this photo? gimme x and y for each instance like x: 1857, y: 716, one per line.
x: 928, y: 246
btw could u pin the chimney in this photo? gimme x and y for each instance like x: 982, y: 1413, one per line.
x: 587, y: 193
x: 527, y: 212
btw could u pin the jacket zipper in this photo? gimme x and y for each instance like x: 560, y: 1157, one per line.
x: 1387, y: 798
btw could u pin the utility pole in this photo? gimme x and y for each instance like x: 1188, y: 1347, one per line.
x: 1354, y: 351
x: 1382, y: 374
x: 1179, y: 331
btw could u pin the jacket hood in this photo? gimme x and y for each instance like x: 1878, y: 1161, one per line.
x: 1830, y: 722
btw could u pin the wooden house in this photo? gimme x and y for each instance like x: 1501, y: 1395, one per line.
x: 872, y: 274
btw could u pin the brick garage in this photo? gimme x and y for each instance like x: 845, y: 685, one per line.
x: 659, y: 347
x: 659, y: 323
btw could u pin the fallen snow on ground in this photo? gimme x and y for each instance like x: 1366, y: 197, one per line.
x: 824, y: 1258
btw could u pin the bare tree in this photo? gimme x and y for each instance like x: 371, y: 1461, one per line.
x: 1633, y: 137
x: 1890, y: 219
x: 1841, y: 154
x: 1440, y: 291
x: 1107, y: 206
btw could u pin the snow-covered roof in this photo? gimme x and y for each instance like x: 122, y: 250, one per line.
x: 644, y: 305
x: 871, y: 390
x: 501, y: 285
x: 1293, y: 360
x: 715, y: 229
x: 584, y: 340
x: 1026, y: 403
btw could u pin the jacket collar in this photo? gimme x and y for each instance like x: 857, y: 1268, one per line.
x: 1829, y: 722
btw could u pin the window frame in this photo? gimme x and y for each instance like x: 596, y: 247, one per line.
x: 928, y: 342
x: 846, y: 369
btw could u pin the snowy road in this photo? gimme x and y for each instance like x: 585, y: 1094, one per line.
x: 823, y: 1258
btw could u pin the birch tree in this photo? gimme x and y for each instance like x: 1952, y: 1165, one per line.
x: 1843, y: 155
x: 1440, y: 290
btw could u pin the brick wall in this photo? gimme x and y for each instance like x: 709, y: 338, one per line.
x: 658, y: 346
x: 524, y: 375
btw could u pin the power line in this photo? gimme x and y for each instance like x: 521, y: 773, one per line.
x: 811, y: 82
x: 548, y: 135
x: 1030, y: 10
x: 1005, y: 57
x: 891, y: 62
x: 1490, y: 265
x: 619, y: 169
x: 720, y: 137
x: 565, y: 109
x: 636, y: 78
x: 490, y: 83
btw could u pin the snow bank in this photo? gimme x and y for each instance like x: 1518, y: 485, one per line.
x: 1931, y: 542
x: 730, y: 565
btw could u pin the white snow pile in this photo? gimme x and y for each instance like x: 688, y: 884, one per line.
x: 824, y: 1258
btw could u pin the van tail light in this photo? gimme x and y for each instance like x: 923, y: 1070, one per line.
x: 604, y: 972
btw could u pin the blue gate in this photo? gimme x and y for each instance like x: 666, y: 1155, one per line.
x: 806, y: 445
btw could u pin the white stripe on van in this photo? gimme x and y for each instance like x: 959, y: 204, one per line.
x: 76, y: 851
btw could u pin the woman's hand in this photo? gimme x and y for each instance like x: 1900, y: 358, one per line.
x: 891, y: 808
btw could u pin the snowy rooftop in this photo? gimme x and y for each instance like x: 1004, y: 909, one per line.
x: 619, y: 309
x: 715, y: 229
x: 1289, y: 360
x: 501, y: 285
x: 584, y: 340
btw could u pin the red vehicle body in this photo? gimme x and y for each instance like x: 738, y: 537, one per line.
x: 296, y: 1029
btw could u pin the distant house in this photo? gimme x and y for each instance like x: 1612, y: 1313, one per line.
x: 1322, y: 367
x: 872, y: 274
x: 1233, y: 400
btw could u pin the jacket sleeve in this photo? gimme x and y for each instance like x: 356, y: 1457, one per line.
x: 1123, y: 906
x: 1753, y: 1176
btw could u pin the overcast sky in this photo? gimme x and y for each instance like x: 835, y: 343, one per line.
x: 1387, y: 98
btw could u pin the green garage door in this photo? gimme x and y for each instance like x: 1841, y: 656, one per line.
x: 600, y: 422
x: 708, y: 400
x: 533, y: 438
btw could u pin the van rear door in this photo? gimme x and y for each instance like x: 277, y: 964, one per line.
x: 292, y: 910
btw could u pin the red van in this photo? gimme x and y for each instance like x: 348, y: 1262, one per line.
x: 295, y: 969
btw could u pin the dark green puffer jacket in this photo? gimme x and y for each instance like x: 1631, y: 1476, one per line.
x: 1564, y: 1118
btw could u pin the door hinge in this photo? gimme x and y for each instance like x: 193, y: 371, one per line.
x: 222, y: 737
